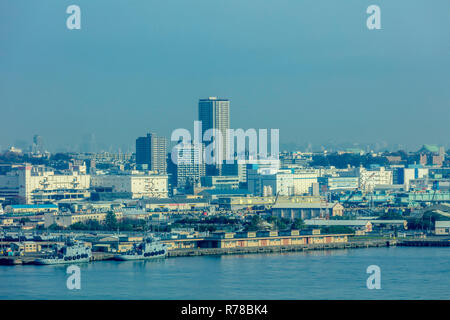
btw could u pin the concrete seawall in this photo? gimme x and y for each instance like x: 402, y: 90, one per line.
x: 278, y: 249
x: 424, y: 243
x: 100, y: 256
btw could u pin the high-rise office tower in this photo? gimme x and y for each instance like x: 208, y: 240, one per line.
x: 214, y: 113
x: 151, y: 151
x: 189, y: 165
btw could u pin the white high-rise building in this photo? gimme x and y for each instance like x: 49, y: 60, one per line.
x: 37, y: 184
x: 188, y: 159
x: 214, y: 113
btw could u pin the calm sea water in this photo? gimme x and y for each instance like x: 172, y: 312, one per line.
x: 406, y: 273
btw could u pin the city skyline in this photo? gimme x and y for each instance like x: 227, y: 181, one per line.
x: 213, y: 113
x: 84, y: 146
x: 324, y: 76
x: 224, y: 154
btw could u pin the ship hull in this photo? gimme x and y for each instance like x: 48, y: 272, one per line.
x: 137, y: 257
x: 59, y: 261
x: 69, y: 254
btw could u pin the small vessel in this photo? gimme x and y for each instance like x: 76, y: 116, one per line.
x: 150, y: 248
x: 71, y: 252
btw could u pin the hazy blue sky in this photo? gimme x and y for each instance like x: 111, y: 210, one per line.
x: 310, y: 68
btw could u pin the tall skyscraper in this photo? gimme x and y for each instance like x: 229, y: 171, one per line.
x: 151, y: 151
x: 214, y: 113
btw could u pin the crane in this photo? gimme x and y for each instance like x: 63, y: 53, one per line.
x: 275, y: 201
x: 435, y: 188
x: 363, y: 184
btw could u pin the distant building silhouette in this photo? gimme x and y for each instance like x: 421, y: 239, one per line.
x: 38, y: 145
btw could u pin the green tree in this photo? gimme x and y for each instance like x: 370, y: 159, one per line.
x: 87, y: 225
x: 391, y: 216
x: 54, y: 226
x: 278, y: 223
x: 79, y: 226
x: 111, y: 221
x: 254, y: 223
x: 126, y: 225
x: 298, y: 224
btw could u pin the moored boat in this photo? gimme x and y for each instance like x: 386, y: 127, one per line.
x: 150, y: 248
x: 72, y: 252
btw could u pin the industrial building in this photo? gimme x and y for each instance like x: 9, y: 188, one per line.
x: 339, y: 183
x: 404, y: 176
x: 138, y: 184
x: 66, y: 219
x: 268, y: 238
x: 369, y: 178
x: 285, y: 182
x: 174, y: 204
x: 238, y: 168
x: 389, y: 224
x: 30, y: 208
x: 442, y: 228
x: 245, y: 202
x: 221, y: 182
x: 307, y: 210
x: 37, y: 184
x: 362, y: 225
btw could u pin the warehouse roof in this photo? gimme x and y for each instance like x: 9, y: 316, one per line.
x: 378, y: 221
x: 34, y: 206
x: 322, y: 222
x: 442, y: 224
x: 304, y: 205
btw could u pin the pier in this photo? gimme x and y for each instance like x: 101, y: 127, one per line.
x: 279, y: 249
x: 425, y: 243
x: 17, y: 260
x: 190, y: 252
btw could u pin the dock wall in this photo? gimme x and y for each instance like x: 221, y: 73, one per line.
x: 278, y: 249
